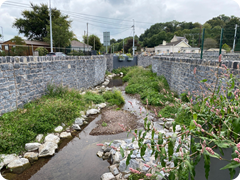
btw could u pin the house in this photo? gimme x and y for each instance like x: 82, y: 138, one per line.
x: 79, y: 46
x: 177, y: 44
x: 29, y: 47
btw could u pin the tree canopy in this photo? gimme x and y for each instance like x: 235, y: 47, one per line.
x: 91, y: 41
x: 35, y: 25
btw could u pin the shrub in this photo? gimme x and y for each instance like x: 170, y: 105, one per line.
x: 95, y: 98
x: 104, y: 124
x: 114, y: 97
x: 168, y: 112
x: 42, y: 51
x: 124, y: 70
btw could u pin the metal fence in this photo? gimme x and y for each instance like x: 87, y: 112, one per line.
x: 29, y: 50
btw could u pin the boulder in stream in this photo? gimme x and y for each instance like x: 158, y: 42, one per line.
x: 19, y: 165
x: 47, y: 149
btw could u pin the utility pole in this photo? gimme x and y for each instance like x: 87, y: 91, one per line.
x: 2, y: 34
x: 123, y: 45
x: 84, y: 42
x: 50, y: 14
x: 133, y: 38
x: 87, y: 37
x: 234, y: 37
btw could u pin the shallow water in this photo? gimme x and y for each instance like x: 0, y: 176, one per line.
x: 76, y: 158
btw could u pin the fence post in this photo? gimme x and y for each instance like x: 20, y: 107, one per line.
x: 202, y: 42
x: 220, y: 47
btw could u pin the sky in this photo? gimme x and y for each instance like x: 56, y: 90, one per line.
x: 116, y: 16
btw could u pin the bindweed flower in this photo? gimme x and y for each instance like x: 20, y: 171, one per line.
x: 134, y: 171
x: 147, y: 165
x: 210, y: 150
x: 223, y: 65
x: 155, y: 112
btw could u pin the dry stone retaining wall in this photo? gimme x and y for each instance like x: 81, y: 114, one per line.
x: 23, y: 79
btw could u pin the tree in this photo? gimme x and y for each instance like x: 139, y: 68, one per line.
x: 210, y: 43
x: 112, y: 41
x: 21, y: 49
x: 42, y: 51
x: 35, y: 25
x: 98, y: 44
x: 129, y: 45
x: 226, y: 47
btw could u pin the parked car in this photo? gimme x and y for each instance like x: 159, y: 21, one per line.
x: 56, y: 54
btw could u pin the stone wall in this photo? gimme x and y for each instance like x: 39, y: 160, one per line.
x: 23, y: 79
x: 179, y: 71
x: 109, y: 62
x: 144, y: 61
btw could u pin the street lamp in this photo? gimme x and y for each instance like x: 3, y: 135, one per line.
x: 2, y: 33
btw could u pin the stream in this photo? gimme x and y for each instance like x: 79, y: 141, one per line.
x: 76, y: 158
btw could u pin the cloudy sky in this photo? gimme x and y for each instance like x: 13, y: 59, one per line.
x: 116, y: 16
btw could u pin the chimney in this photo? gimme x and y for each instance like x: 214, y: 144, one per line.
x: 164, y: 43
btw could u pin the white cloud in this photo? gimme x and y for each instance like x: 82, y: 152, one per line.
x: 151, y: 11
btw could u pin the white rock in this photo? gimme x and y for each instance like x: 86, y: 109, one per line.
x: 84, y: 117
x: 32, y: 146
x: 31, y: 156
x: 178, y: 128
x: 117, y: 157
x: 47, y: 149
x: 58, y: 129
x: 83, y: 93
x: 106, y: 83
x: 8, y: 158
x: 39, y: 137
x: 79, y: 121
x: 114, y: 169
x: 108, y: 89
x: 65, y: 135
x: 107, y: 176
x: 169, y: 119
x: 19, y: 165
x: 1, y: 165
x: 119, y: 176
x: 82, y: 113
x: 121, y: 73
x: 92, y: 111
x: 52, y: 138
x: 168, y: 124
x: 100, y: 154
x: 63, y: 124
x: 76, y: 127
x: 102, y: 105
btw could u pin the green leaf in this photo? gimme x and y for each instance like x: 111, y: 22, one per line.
x: 204, y: 80
x: 172, y: 176
x: 129, y: 158
x: 122, y: 151
x: 160, y: 138
x: 170, y: 150
x: 206, y: 164
x: 192, y: 126
x: 232, y: 164
x: 189, y: 166
x: 195, y: 116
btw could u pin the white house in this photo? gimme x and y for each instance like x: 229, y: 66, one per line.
x: 177, y: 44
x: 76, y: 45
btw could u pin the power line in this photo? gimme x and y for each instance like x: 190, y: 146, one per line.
x: 13, y: 3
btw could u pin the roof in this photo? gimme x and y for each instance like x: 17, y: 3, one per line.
x: 150, y: 49
x: 36, y: 43
x: 75, y: 43
x: 179, y: 37
x: 171, y: 43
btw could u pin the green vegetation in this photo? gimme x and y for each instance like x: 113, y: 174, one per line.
x: 59, y: 105
x: 104, y: 124
x: 42, y: 51
x: 114, y: 97
x: 149, y: 86
x: 141, y: 176
x: 124, y: 70
x: 107, y: 73
x: 168, y: 112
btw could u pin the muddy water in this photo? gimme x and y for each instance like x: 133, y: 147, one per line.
x: 76, y: 158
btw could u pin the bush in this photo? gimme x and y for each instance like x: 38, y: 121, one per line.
x: 124, y: 70
x: 95, y: 98
x: 42, y: 51
x: 114, y: 97
x: 168, y: 112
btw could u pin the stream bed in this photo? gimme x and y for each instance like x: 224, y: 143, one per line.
x: 76, y: 158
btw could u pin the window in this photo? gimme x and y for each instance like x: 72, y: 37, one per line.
x: 6, y: 47
x: 167, y: 50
